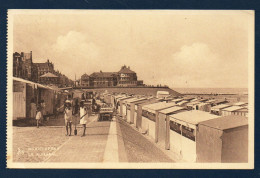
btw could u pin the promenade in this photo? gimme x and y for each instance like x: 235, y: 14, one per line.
x: 105, y: 141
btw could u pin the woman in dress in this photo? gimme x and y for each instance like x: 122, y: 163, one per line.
x: 83, y: 117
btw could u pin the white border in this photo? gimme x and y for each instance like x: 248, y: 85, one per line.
x: 249, y: 165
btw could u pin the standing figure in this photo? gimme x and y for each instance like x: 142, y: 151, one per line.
x: 68, y: 117
x: 83, y: 117
x: 33, y: 110
x: 43, y: 109
x: 38, y: 116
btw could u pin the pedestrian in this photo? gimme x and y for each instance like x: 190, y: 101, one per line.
x: 38, y: 116
x: 43, y: 109
x: 33, y: 110
x: 68, y: 117
x: 83, y: 117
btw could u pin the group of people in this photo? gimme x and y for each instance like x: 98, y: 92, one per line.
x: 72, y: 110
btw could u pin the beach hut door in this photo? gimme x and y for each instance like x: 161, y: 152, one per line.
x: 19, y: 109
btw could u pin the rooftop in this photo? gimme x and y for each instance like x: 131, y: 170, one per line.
x: 226, y: 122
x: 232, y: 108
x: 193, y: 117
x: 103, y: 74
x: 50, y: 75
x: 126, y: 70
x: 172, y: 109
x: 158, y: 106
x: 239, y: 103
x: 221, y: 106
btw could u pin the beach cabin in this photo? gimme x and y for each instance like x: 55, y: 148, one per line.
x: 139, y: 120
x: 218, y: 102
x: 126, y: 108
x: 233, y: 110
x: 162, y: 94
x: 116, y: 98
x: 25, y: 91
x: 204, y: 107
x: 187, y: 98
x: 224, y: 139
x: 217, y: 109
x: 183, y: 103
x: 182, y: 131
x: 149, y: 115
x: 161, y: 123
x: 241, y: 104
x: 132, y: 110
x: 192, y: 105
x: 176, y: 100
x: 122, y: 112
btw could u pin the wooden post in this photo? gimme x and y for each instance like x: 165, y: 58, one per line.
x: 167, y: 139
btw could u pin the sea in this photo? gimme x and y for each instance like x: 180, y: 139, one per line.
x: 237, y: 91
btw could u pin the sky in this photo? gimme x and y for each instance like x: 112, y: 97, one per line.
x: 193, y: 49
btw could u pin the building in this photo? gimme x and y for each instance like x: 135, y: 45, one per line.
x: 124, y: 78
x: 22, y: 65
x: 43, y: 68
x: 85, y: 80
x: 103, y: 79
x: 49, y: 79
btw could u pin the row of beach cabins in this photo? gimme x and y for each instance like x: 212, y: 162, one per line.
x: 27, y: 92
x: 198, y: 130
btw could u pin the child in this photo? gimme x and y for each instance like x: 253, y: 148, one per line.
x: 83, y: 117
x: 38, y: 116
x: 68, y: 117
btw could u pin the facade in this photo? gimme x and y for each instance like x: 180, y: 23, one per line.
x: 124, y: 78
x: 103, y: 79
x: 43, y: 68
x: 85, y: 80
x: 23, y: 67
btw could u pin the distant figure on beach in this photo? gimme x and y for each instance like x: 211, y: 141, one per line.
x: 38, y: 116
x: 68, y: 117
x: 83, y: 117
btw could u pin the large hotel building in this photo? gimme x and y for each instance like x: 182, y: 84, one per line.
x: 123, y: 78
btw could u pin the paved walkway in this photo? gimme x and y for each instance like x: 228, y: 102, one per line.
x: 90, y: 148
x: 106, y: 141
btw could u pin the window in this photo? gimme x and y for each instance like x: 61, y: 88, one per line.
x: 144, y: 113
x: 188, y: 133
x: 176, y: 127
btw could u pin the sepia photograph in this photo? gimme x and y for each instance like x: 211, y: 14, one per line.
x: 130, y: 89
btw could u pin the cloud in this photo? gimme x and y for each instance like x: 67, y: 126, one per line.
x: 74, y: 53
x: 193, y: 64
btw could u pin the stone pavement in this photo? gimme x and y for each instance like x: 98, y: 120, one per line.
x: 105, y: 141
x: 90, y: 148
